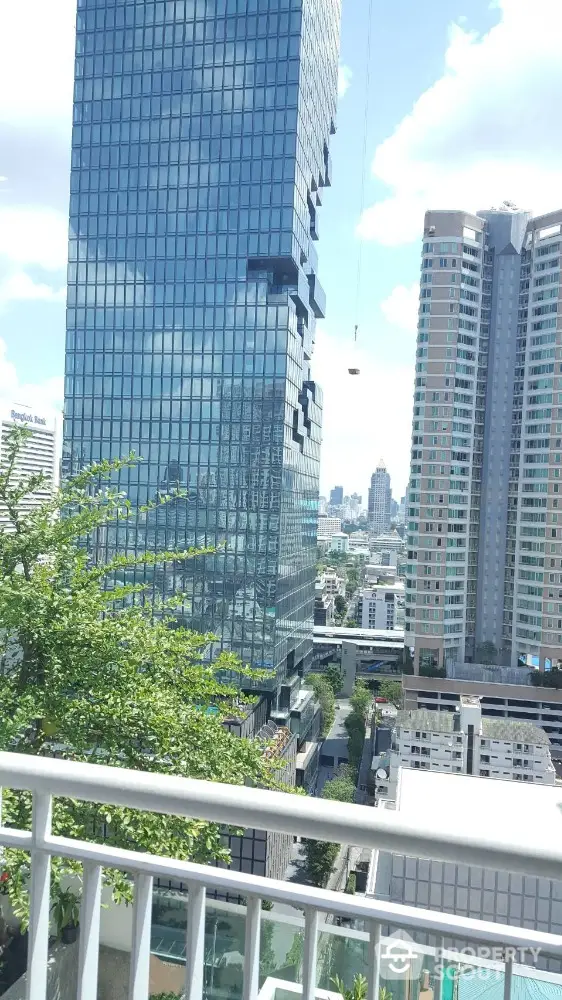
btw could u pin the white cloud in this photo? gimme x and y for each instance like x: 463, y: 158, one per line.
x: 401, y: 307
x: 484, y: 132
x: 47, y: 395
x: 17, y: 286
x: 36, y: 62
x: 344, y: 79
x: 365, y: 416
x: 34, y: 235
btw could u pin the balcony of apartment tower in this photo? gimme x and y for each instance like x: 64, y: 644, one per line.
x: 286, y: 939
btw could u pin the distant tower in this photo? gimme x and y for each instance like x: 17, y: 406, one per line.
x: 379, y: 500
x: 336, y: 496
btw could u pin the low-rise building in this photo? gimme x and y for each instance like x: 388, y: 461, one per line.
x: 324, y: 606
x: 378, y: 606
x: 339, y: 542
x: 387, y: 549
x: 327, y: 526
x: 464, y: 802
x: 332, y: 582
x: 500, y: 699
x: 466, y: 742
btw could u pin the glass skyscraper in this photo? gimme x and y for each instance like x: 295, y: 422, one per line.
x: 199, y: 155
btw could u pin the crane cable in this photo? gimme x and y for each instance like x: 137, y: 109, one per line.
x: 364, y: 164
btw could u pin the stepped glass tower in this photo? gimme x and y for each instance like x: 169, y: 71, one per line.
x: 199, y: 159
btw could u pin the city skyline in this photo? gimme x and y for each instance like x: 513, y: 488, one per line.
x: 36, y: 71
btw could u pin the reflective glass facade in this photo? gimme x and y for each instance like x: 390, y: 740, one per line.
x: 199, y: 155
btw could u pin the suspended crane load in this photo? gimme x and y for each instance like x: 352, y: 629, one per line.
x: 353, y: 370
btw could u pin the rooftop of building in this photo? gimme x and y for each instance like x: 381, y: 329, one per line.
x: 382, y: 584
x: 388, y: 536
x: 512, y: 731
x: 511, y: 808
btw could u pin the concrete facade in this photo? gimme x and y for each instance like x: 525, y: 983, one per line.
x: 519, y: 702
x: 484, y: 549
x: 465, y: 889
x: 465, y: 742
x: 379, y: 605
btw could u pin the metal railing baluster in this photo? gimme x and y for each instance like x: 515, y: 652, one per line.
x: 507, y: 978
x: 310, y: 953
x: 89, y: 946
x: 438, y: 978
x: 39, y: 899
x: 140, y: 950
x: 252, y: 948
x: 195, y: 941
x: 374, y: 961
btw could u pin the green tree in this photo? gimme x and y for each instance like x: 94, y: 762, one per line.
x: 325, y: 695
x: 486, y: 652
x: 340, y: 605
x: 334, y: 678
x: 351, y: 884
x: 350, y: 623
x: 91, y: 667
x: 361, y: 698
x: 392, y: 691
x: 355, y: 724
x: 295, y: 955
x: 268, y: 959
x: 341, y: 788
x: 321, y: 855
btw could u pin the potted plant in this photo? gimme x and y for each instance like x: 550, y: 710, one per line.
x: 66, y: 915
x: 358, y: 990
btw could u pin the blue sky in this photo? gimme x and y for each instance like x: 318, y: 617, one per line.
x: 464, y: 107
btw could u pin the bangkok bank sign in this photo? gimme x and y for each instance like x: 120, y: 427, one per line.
x: 27, y: 418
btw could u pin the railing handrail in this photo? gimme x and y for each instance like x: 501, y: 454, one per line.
x: 305, y: 897
x: 256, y: 808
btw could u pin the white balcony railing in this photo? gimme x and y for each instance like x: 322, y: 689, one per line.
x: 248, y: 808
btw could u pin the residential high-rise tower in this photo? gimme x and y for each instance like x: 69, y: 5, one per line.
x: 379, y: 500
x: 199, y: 157
x: 484, y: 549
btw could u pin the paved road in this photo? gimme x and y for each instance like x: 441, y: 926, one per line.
x: 295, y: 871
x: 337, y: 732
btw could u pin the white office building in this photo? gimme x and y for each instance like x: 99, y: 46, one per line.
x: 40, y: 453
x: 465, y: 742
x: 379, y: 606
x: 327, y: 526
